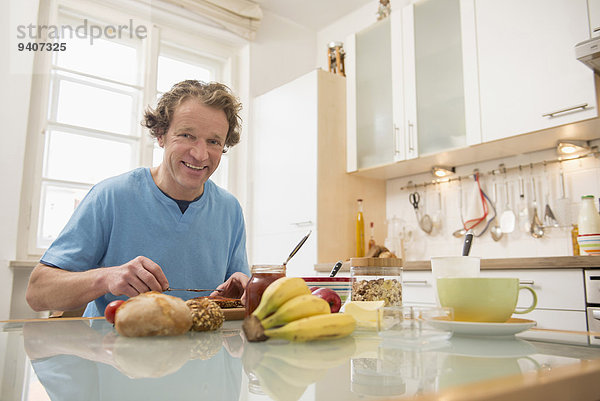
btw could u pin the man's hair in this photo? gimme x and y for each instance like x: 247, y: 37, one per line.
x: 212, y: 94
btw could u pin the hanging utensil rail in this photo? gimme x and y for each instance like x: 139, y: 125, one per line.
x: 500, y: 170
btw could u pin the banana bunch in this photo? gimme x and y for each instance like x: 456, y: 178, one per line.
x: 287, y: 310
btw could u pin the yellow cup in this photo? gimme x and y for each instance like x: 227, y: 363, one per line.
x: 482, y: 299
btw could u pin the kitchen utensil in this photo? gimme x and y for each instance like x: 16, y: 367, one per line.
x: 507, y: 219
x: 336, y: 268
x: 467, y: 243
x: 297, y: 248
x: 461, y: 231
x: 436, y: 216
x: 563, y: 204
x: 537, y: 228
x: 523, y: 208
x: 478, y: 208
x: 549, y: 219
x: 192, y: 289
x: 490, y: 204
x: 425, y: 222
x: 495, y: 230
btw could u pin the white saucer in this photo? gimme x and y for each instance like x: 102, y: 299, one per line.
x: 510, y: 327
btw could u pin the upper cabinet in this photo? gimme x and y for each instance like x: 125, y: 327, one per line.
x: 374, y: 95
x: 594, y: 10
x: 412, y: 84
x: 439, y: 76
x: 529, y: 76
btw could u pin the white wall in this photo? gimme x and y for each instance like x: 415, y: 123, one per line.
x: 15, y: 81
x: 281, y: 52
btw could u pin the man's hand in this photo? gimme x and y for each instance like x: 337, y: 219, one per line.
x: 234, y: 287
x: 135, y: 277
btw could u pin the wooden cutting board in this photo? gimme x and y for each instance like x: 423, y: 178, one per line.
x: 234, y: 313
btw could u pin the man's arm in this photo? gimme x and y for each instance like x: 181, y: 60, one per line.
x: 54, y: 288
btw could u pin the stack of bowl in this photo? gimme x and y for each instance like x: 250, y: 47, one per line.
x: 589, y: 243
x: 341, y: 285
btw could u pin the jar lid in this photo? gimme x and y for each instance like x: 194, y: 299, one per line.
x: 267, y: 269
x: 378, y: 262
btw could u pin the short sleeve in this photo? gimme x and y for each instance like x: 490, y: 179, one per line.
x: 83, y: 241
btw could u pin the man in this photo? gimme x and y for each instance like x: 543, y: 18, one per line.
x: 151, y: 229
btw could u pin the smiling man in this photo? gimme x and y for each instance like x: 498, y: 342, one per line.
x: 151, y: 229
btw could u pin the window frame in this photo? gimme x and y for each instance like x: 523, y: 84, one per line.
x: 164, y: 28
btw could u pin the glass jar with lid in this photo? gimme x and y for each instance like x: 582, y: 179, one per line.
x: 376, y: 279
x: 262, y: 276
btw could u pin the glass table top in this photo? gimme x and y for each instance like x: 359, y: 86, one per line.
x: 83, y: 359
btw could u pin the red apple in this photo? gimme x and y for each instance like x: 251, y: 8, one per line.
x: 332, y: 298
x: 313, y: 289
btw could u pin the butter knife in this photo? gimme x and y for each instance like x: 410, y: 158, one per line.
x: 191, y: 289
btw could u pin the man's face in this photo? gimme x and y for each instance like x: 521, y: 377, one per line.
x: 193, y: 147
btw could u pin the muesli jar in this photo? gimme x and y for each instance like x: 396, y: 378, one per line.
x: 376, y: 279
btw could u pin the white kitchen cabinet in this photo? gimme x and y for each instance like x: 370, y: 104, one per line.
x: 299, y: 181
x: 594, y: 10
x: 558, y: 289
x: 412, y: 84
x: 440, y: 75
x: 418, y: 288
x: 529, y: 76
x: 374, y: 93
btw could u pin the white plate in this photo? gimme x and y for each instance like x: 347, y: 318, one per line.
x: 511, y: 327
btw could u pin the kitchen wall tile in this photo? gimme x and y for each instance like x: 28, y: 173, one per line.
x: 582, y: 177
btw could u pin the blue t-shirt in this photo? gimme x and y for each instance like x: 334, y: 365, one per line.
x: 127, y: 216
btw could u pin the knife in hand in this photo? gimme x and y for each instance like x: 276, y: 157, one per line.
x: 192, y: 289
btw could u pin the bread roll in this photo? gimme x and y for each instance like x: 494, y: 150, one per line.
x: 206, y: 315
x: 153, y: 314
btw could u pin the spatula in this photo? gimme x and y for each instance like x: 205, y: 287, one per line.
x: 507, y: 219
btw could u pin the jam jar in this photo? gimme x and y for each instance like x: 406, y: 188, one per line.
x: 376, y: 279
x: 262, y: 276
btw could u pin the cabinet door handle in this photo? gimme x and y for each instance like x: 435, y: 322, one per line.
x: 596, y: 314
x: 596, y: 29
x: 410, y: 136
x: 303, y: 223
x: 396, y: 148
x: 582, y: 106
x: 421, y: 282
x: 526, y: 282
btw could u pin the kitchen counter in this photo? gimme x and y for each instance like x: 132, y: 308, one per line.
x: 553, y: 262
x: 78, y: 358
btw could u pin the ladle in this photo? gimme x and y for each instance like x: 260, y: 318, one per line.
x: 537, y: 228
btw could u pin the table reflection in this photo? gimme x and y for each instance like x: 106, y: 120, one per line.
x: 76, y: 360
x: 88, y: 360
x: 283, y: 371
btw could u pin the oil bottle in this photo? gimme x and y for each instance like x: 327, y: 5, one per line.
x: 360, y: 230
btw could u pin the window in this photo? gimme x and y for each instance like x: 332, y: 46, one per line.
x: 96, y: 93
